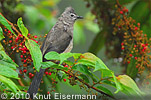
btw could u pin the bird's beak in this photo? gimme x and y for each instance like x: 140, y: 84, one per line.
x: 79, y: 17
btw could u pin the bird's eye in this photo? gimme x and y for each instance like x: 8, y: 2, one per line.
x: 72, y: 15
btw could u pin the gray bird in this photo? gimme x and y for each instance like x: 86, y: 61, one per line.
x: 59, y: 39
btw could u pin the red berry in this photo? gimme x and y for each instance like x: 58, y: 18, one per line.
x: 121, y: 12
x: 30, y: 74
x: 24, y: 51
x: 145, y: 48
x: 46, y: 73
x: 146, y: 44
x: 25, y: 70
x: 22, y: 60
x: 65, y: 65
x: 126, y: 10
x: 20, y: 48
x: 25, y: 61
x: 48, y: 92
x: 135, y: 46
x: 128, y: 62
x: 17, y: 39
x: 138, y: 24
x: 143, y: 45
x: 36, y: 41
x: 49, y: 73
x: 69, y: 76
x: 12, y: 47
x: 136, y: 28
x: 122, y: 44
x: 9, y: 31
x: 131, y: 55
x: 122, y: 48
x: 35, y: 36
x: 29, y: 34
x: 20, y: 35
x: 10, y: 41
x: 135, y: 58
x: 136, y: 66
x: 64, y: 80
x: 21, y: 56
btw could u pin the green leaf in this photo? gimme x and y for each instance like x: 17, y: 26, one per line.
x: 22, y: 28
x: 52, y: 56
x: 10, y: 65
x: 94, y: 60
x: 5, y: 23
x: 76, y: 55
x: 118, y: 86
x: 8, y: 72
x: 105, y: 90
x: 5, y: 57
x: 99, y: 66
x: 130, y: 86
x: 85, y: 62
x: 108, y: 82
x: 65, y: 56
x: 35, y: 53
x: 82, y: 69
x: 50, y: 64
x: 85, y: 78
x: 9, y: 83
x: 1, y: 34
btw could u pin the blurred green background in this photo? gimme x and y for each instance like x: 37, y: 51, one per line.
x: 39, y: 17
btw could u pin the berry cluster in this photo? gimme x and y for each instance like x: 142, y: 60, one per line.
x: 15, y: 46
x: 135, y: 44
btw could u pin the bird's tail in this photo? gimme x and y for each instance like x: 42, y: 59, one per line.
x: 35, y: 83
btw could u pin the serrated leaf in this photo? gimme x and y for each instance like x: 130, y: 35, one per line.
x: 105, y: 90
x: 52, y: 56
x: 5, y: 23
x: 1, y: 34
x: 9, y: 83
x: 35, y: 53
x: 22, y: 27
x: 8, y: 72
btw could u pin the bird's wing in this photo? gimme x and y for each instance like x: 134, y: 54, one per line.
x: 57, y: 40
